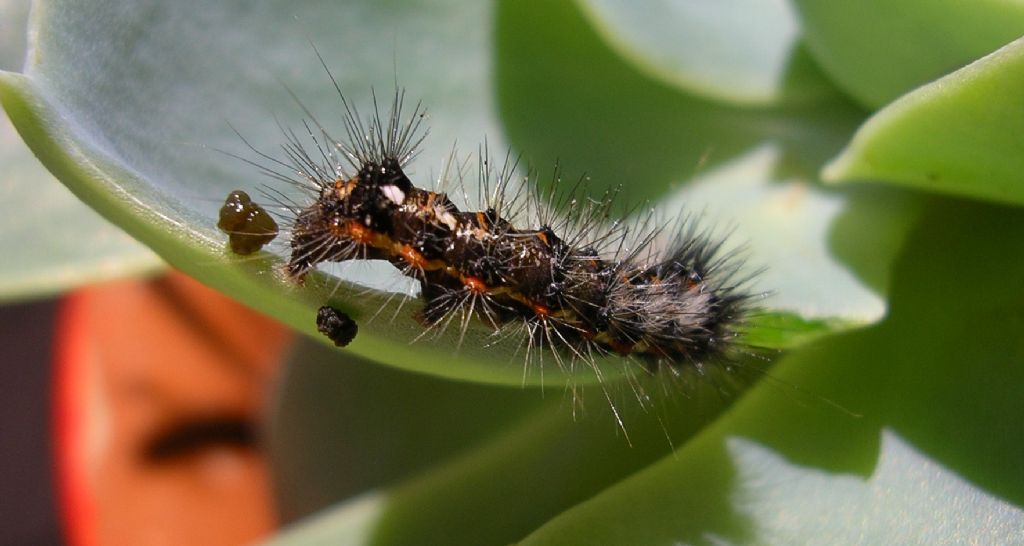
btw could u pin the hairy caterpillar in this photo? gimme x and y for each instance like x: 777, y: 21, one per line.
x: 564, y: 278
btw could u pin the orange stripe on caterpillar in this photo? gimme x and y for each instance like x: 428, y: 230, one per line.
x: 586, y: 291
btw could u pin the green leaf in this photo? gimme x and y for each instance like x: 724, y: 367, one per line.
x: 507, y: 486
x: 50, y: 241
x: 931, y: 455
x: 125, y: 104
x: 742, y: 51
x: 343, y: 427
x: 906, y: 429
x: 751, y: 169
x: 877, y: 50
x: 565, y: 97
x: 958, y: 135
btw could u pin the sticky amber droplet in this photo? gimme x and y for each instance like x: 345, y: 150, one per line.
x: 248, y: 225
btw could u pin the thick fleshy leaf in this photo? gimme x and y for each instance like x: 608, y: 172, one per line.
x: 566, y: 98
x: 743, y: 51
x: 747, y: 169
x: 340, y: 428
x: 887, y: 418
x: 124, y: 104
x: 958, y: 135
x: 504, y: 488
x: 877, y: 50
x: 50, y: 241
x: 924, y: 450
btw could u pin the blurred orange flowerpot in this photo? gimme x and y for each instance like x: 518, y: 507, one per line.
x: 160, y: 388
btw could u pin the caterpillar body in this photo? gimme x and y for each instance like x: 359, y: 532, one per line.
x: 573, y: 283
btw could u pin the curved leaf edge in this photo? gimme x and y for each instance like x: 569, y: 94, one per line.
x: 695, y: 85
x: 857, y: 162
x: 257, y: 281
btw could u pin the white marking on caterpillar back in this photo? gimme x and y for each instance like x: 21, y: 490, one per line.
x: 393, y: 193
